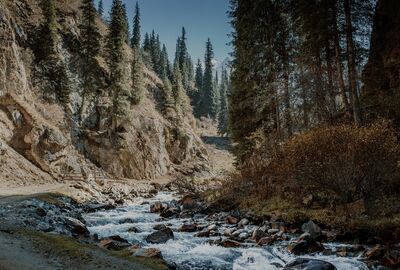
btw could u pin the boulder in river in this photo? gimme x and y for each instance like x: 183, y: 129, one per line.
x: 133, y: 230
x: 169, y: 212
x: 313, y: 229
x: 309, y: 264
x: 243, y: 222
x: 148, y: 253
x: 188, y: 228
x: 231, y: 220
x: 266, y: 241
x: 76, y: 226
x: 157, y: 207
x: 161, y: 236
x: 305, y: 247
x: 114, y: 243
x: 229, y: 243
x: 203, y: 233
x: 158, y: 227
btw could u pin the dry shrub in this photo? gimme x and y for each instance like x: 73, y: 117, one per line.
x: 347, y: 162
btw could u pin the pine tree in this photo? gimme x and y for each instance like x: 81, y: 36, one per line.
x: 146, y: 43
x: 63, y: 89
x: 117, y: 63
x: 48, y: 38
x: 199, y: 75
x: 217, y: 94
x: 223, y: 113
x: 135, y: 41
x: 100, y: 9
x: 163, y: 66
x: 178, y: 91
x: 138, y: 87
x: 54, y: 70
x: 183, y: 57
x: 168, y: 102
x: 209, y: 98
x: 126, y: 23
x: 90, y: 48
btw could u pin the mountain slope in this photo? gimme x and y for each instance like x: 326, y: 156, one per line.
x: 47, y: 140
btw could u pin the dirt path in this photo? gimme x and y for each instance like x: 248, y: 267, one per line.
x: 32, y: 189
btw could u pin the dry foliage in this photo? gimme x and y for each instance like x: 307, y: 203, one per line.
x: 345, y: 162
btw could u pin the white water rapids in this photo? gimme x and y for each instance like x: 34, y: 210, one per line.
x: 188, y: 252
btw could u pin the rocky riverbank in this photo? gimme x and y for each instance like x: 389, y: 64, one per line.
x: 165, y: 230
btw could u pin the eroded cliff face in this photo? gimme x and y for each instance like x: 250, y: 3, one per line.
x: 47, y: 141
x: 381, y: 92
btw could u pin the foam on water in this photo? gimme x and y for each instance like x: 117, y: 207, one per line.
x: 188, y: 252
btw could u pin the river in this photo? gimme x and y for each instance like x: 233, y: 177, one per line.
x: 188, y: 252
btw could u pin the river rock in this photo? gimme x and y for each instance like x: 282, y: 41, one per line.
x: 313, y: 229
x: 204, y: 233
x: 158, y: 227
x: 158, y: 207
x: 273, y: 231
x: 148, y: 253
x: 229, y: 243
x: 114, y: 243
x: 243, y: 222
x: 133, y: 230
x: 305, y: 247
x: 238, y: 232
x: 231, y: 220
x: 376, y: 253
x: 187, y: 203
x: 188, y: 228
x: 243, y: 235
x: 76, y: 226
x: 161, y: 236
x: 228, y: 231
x: 309, y: 264
x: 266, y: 241
x: 126, y: 220
x: 264, y: 228
x: 41, y: 212
x: 170, y: 212
x: 212, y: 227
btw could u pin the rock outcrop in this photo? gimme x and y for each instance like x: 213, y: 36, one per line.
x: 48, y: 140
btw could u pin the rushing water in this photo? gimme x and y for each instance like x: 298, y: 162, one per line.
x: 192, y: 253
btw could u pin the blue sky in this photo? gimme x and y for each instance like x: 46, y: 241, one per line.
x: 201, y: 18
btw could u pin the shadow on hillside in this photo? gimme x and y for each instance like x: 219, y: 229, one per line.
x: 221, y: 143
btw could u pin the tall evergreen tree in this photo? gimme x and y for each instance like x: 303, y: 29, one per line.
x: 54, y: 69
x: 135, y: 41
x: 146, y: 43
x: 48, y: 39
x: 90, y: 48
x: 100, y: 9
x: 163, y: 66
x: 197, y: 93
x: 223, y: 113
x: 117, y: 62
x: 63, y: 89
x: 178, y: 90
x: 138, y: 87
x: 209, y: 98
x: 199, y: 75
x: 168, y: 102
x: 126, y: 23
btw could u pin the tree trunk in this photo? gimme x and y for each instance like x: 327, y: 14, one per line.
x: 381, y: 76
x: 286, y: 72
x: 329, y: 69
x: 351, y: 62
x: 319, y: 88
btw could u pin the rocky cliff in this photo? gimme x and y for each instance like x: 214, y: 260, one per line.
x: 45, y: 140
